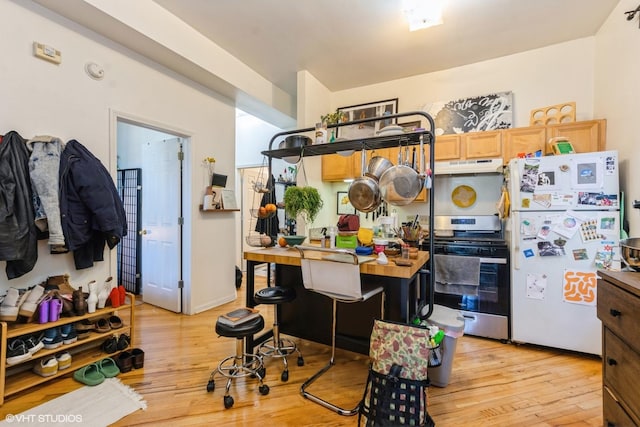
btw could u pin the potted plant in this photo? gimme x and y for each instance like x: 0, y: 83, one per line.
x: 304, y: 201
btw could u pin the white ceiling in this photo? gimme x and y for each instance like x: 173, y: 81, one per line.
x: 351, y: 43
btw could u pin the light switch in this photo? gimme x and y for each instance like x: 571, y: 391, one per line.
x: 47, y: 53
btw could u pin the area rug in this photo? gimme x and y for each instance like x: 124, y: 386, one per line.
x: 95, y: 406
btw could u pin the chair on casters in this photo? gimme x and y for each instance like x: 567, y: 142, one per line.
x: 278, y: 346
x: 240, y: 364
x: 334, y: 273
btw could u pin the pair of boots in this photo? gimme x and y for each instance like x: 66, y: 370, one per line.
x: 100, y: 294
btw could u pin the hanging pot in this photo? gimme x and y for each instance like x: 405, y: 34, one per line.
x: 401, y: 184
x: 364, y: 194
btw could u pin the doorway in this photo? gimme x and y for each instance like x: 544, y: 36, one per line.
x: 158, y: 154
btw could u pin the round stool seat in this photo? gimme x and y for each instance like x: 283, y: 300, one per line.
x: 242, y: 330
x: 274, y: 295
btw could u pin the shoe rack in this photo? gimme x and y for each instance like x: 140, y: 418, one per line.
x: 20, y: 377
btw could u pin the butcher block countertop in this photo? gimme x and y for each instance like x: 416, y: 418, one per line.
x: 291, y: 256
x: 627, y: 280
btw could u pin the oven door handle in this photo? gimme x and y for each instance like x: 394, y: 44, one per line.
x: 493, y: 260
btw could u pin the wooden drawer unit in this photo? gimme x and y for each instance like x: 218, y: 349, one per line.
x: 621, y: 371
x: 614, y: 415
x: 619, y: 310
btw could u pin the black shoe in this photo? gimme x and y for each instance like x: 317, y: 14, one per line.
x: 123, y: 341
x: 110, y: 345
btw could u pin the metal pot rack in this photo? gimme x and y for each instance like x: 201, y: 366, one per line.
x: 376, y: 142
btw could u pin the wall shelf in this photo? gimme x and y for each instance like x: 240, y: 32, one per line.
x: 217, y: 210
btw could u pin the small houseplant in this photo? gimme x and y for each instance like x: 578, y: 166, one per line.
x: 304, y: 201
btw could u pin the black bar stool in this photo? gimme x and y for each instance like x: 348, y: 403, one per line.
x: 240, y: 364
x: 278, y: 346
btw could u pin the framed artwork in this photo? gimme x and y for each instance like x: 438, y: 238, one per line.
x: 344, y: 204
x: 367, y: 111
x: 476, y: 113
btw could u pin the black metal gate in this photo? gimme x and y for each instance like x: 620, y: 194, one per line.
x: 129, y: 268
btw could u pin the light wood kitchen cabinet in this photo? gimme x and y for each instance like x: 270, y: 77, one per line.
x: 482, y: 145
x: 448, y: 147
x: 523, y: 140
x: 619, y: 310
x: 585, y: 136
x: 336, y: 167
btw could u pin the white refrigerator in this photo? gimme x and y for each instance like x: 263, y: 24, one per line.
x: 564, y: 226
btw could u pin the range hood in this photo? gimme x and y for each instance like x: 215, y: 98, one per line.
x: 472, y: 166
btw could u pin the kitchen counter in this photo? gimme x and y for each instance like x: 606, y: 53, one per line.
x: 309, y: 315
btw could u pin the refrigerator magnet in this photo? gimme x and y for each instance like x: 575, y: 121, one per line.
x: 528, y: 253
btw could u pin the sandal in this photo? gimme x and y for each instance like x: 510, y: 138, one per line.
x: 89, y: 375
x: 123, y: 341
x: 102, y: 325
x: 110, y: 345
x: 115, y: 322
x: 108, y: 367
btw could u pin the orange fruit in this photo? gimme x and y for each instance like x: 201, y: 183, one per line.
x: 282, y: 242
x: 270, y: 207
x: 262, y: 212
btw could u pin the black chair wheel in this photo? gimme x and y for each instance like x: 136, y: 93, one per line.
x: 263, y: 389
x: 285, y: 376
x: 262, y: 372
x: 300, y: 361
x: 228, y: 402
x: 211, y: 385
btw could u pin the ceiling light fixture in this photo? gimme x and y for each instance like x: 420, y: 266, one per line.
x: 423, y: 13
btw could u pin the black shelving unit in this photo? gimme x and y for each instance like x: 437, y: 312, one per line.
x: 426, y: 136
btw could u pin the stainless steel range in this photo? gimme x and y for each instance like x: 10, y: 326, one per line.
x: 471, y: 267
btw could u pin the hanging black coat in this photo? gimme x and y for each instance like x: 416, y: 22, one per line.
x: 18, y: 233
x: 91, y: 209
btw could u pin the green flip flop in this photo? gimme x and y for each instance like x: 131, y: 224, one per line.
x: 89, y: 375
x: 108, y: 367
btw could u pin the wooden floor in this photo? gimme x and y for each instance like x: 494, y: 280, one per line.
x: 492, y: 384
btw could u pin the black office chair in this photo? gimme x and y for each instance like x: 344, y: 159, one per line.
x: 334, y: 273
x: 240, y: 364
x: 278, y: 346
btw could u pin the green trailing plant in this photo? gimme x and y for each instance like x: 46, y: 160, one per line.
x: 304, y: 201
x: 333, y: 118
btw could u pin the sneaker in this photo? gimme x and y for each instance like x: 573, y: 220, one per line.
x: 68, y: 334
x: 52, y: 338
x: 17, y: 352
x: 34, y: 344
x: 64, y: 360
x: 30, y: 305
x: 11, y: 304
x: 46, y: 367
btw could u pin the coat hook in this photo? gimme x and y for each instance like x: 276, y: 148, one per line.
x: 632, y: 14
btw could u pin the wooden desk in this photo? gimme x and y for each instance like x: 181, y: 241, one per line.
x: 398, y: 282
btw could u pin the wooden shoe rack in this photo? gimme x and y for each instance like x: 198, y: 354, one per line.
x: 19, y: 377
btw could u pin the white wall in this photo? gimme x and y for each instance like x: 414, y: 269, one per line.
x: 42, y: 98
x: 617, y: 86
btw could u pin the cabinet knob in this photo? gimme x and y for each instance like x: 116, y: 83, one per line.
x: 610, y: 424
x: 611, y: 362
x: 614, y: 312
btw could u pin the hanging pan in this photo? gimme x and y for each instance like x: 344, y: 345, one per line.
x: 364, y: 193
x: 401, y: 184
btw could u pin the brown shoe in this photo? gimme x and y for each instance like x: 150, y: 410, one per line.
x: 102, y: 325
x: 79, y: 302
x: 138, y: 358
x: 125, y: 361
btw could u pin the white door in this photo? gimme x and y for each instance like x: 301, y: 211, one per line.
x: 161, y: 229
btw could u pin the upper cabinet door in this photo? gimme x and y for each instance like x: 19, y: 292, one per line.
x: 336, y: 167
x: 586, y: 136
x: 527, y: 140
x: 478, y: 145
x: 447, y: 147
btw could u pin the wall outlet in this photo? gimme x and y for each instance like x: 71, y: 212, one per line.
x: 47, y: 53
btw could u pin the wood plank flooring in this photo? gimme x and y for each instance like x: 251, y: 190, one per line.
x: 492, y: 384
